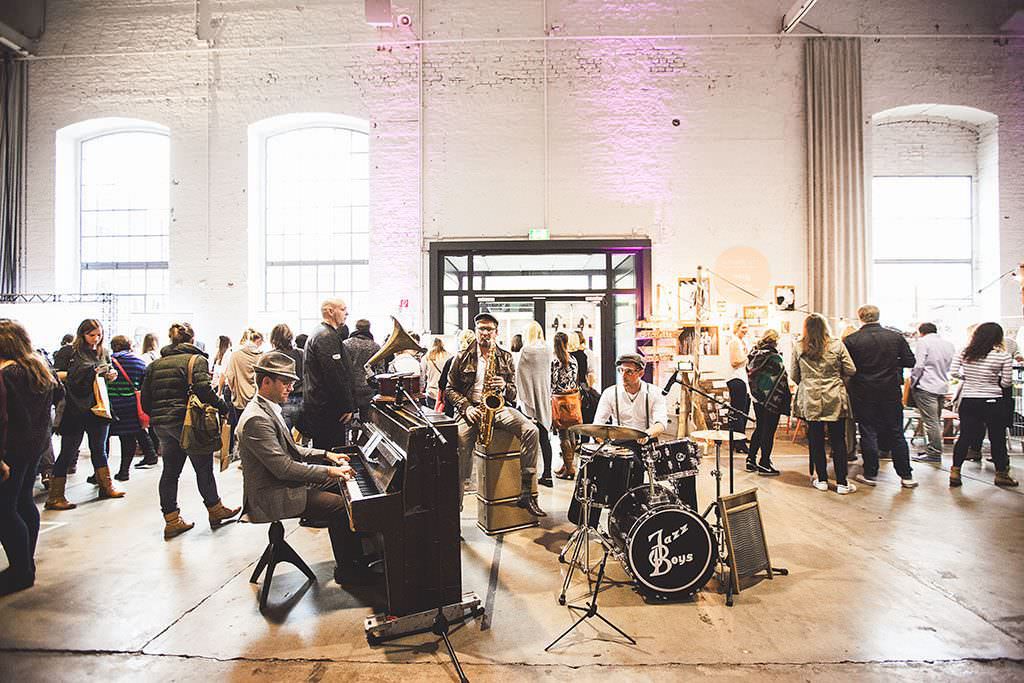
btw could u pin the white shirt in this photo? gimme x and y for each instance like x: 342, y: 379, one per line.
x: 642, y: 411
x: 478, y: 385
x: 738, y: 345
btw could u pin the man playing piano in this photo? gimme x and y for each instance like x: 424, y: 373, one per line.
x: 278, y: 481
x: 465, y: 391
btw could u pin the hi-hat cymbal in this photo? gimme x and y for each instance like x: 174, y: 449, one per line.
x: 716, y: 435
x: 609, y: 432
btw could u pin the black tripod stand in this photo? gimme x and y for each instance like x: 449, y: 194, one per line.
x: 590, y: 609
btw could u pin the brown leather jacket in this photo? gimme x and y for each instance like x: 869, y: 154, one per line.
x: 462, y: 376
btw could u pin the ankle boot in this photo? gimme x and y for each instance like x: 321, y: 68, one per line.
x: 568, y: 471
x: 107, y: 489
x: 1004, y: 479
x: 55, y: 500
x: 220, y: 514
x: 954, y: 477
x: 174, y: 525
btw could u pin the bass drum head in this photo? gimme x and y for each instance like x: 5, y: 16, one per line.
x: 670, y: 550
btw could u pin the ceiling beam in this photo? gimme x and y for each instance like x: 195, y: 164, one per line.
x: 796, y: 14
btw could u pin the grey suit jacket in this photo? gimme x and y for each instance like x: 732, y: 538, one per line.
x: 274, y: 476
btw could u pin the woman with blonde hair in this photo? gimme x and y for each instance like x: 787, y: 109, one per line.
x: 88, y: 361
x: 739, y: 395
x: 820, y: 363
x: 433, y: 364
x: 239, y: 372
x: 533, y: 384
x: 27, y: 392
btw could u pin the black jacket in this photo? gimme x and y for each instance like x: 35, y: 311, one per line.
x: 327, y: 380
x: 880, y: 355
x: 26, y: 433
x: 81, y: 369
x: 165, y: 388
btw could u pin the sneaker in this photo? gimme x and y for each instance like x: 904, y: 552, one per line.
x: 767, y: 471
x: 870, y: 481
x: 820, y: 485
x: 546, y: 481
x: 927, y: 457
x: 751, y: 466
x: 843, y: 489
x: 908, y: 483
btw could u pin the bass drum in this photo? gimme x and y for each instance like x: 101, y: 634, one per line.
x: 667, y: 547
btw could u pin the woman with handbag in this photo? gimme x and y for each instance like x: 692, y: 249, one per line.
x: 131, y: 421
x: 27, y: 392
x: 986, y: 374
x: 820, y: 363
x: 565, y: 403
x: 85, y: 414
x: 769, y: 387
x: 181, y: 370
x: 533, y: 384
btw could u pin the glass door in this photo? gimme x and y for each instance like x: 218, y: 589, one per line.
x: 513, y: 315
x: 572, y: 315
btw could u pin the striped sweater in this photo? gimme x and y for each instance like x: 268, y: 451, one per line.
x: 984, y: 378
x: 122, y: 394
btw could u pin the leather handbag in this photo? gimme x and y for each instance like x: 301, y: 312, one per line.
x: 101, y: 399
x: 200, y: 433
x: 566, y: 410
x: 143, y: 417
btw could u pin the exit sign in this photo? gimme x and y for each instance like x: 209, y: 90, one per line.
x: 539, y: 234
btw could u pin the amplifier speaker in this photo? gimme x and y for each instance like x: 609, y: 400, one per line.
x: 744, y: 537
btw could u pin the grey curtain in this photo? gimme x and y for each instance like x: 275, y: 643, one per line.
x: 13, y: 107
x: 836, y: 229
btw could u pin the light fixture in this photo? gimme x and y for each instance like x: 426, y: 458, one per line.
x: 796, y: 14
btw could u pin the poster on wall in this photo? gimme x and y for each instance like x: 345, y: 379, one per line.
x: 688, y: 340
x: 785, y: 297
x: 755, y: 313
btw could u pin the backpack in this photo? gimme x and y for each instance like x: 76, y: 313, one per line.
x: 200, y: 434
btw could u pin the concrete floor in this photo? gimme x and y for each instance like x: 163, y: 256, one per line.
x: 885, y: 584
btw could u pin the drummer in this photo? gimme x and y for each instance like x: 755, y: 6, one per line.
x: 635, y: 403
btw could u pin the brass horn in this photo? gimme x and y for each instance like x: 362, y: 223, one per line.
x: 398, y: 341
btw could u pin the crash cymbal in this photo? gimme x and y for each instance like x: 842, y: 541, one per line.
x: 609, y: 432
x: 716, y: 435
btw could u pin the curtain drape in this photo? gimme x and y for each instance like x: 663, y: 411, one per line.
x: 836, y: 227
x: 13, y: 108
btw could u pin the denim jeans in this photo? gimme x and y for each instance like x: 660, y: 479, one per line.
x: 19, y: 518
x: 72, y: 431
x: 883, y: 423
x: 174, y: 461
x: 128, y: 443
x: 929, y: 407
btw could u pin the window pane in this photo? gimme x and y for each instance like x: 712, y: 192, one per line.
x: 124, y: 200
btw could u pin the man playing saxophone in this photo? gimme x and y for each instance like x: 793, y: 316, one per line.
x: 481, y: 370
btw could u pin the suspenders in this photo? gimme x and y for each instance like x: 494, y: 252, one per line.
x: 647, y: 406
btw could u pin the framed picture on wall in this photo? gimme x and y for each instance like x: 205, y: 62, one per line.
x: 755, y: 312
x: 686, y: 293
x: 688, y: 341
x: 785, y: 297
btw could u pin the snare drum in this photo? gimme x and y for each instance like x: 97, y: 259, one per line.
x: 675, y: 459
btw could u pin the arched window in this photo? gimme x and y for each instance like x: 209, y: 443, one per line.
x: 114, y: 210
x: 311, y: 212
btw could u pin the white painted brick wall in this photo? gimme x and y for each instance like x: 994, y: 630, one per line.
x: 731, y: 174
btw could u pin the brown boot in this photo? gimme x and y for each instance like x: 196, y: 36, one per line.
x: 107, y: 489
x: 220, y: 514
x: 954, y: 477
x: 1004, y: 479
x: 55, y: 500
x: 568, y: 471
x: 174, y: 525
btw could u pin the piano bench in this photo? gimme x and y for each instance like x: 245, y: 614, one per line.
x: 277, y: 550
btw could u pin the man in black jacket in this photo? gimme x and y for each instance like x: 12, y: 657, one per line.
x: 876, y: 393
x: 327, y: 381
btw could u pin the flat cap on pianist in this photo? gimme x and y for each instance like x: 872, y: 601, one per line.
x: 278, y: 364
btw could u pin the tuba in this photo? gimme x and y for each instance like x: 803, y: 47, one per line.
x: 398, y: 341
x: 491, y: 402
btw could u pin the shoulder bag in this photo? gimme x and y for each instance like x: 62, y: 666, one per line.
x: 143, y: 417
x: 566, y: 410
x: 200, y: 433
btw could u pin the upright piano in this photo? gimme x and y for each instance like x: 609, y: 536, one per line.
x: 406, y: 491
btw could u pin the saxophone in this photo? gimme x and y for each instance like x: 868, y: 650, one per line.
x: 491, y: 402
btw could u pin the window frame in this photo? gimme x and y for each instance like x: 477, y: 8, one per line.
x: 260, y: 134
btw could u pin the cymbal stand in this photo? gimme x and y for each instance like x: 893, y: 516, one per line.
x: 718, y: 527
x: 590, y: 609
x: 580, y: 540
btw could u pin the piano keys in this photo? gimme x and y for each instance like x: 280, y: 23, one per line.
x: 406, y: 492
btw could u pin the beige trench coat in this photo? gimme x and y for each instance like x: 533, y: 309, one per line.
x: 821, y: 395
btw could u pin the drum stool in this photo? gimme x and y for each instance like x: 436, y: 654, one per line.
x: 499, y: 485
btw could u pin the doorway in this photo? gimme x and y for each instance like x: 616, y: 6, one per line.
x: 600, y: 287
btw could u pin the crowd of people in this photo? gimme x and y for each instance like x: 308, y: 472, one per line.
x: 291, y: 405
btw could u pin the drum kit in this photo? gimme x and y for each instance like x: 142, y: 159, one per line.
x: 666, y: 547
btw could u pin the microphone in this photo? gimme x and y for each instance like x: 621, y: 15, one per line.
x: 668, y: 385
